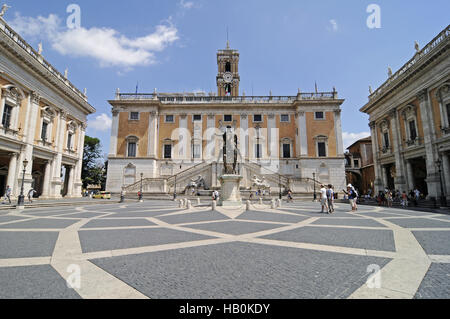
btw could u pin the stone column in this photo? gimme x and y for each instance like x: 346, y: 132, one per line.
x: 338, y: 132
x: 33, y: 104
x: 244, y: 136
x: 446, y: 173
x: 273, y: 138
x: 70, y: 182
x: 56, y: 182
x: 384, y: 176
x: 114, y: 133
x: 433, y: 180
x: 378, y: 177
x: 400, y: 182
x: 184, y: 145
x: 12, y: 171
x: 302, y: 149
x: 152, y: 134
x: 47, y: 179
x: 77, y: 178
x: 410, y: 175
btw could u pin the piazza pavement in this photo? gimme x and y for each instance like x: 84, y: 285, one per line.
x: 157, y: 250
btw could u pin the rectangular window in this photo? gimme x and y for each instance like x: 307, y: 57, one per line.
x: 412, y: 130
x: 257, y: 118
x: 285, y: 118
x: 258, y: 151
x: 286, y: 150
x: 134, y: 116
x: 69, y: 141
x: 228, y: 118
x: 322, y: 149
x: 170, y: 119
x: 168, y: 151
x: 197, y: 118
x: 7, y: 111
x: 319, y: 115
x: 386, y: 140
x: 356, y: 163
x: 44, y: 131
x: 132, y: 149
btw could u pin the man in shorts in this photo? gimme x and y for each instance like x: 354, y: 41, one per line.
x: 323, y: 198
x: 330, y: 199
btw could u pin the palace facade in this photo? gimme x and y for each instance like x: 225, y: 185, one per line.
x: 410, y: 123
x: 43, y: 122
x: 169, y: 139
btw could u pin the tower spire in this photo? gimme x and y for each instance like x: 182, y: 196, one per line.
x: 228, y: 40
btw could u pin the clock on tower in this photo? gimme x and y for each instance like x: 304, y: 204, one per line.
x: 228, y: 76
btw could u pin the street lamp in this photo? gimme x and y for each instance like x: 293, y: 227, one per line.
x: 314, y: 182
x: 175, y: 189
x: 443, y: 198
x: 279, y: 184
x: 140, y: 193
x: 21, y: 199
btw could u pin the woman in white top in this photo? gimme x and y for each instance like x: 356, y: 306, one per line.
x: 323, y: 198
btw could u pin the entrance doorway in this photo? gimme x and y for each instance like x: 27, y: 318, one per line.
x: 390, y: 174
x: 419, y: 168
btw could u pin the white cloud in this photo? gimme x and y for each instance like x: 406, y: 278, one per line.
x: 350, y: 138
x: 105, y: 45
x: 334, y: 25
x: 101, y: 123
x: 186, y: 4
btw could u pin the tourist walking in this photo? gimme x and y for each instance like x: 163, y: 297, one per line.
x: 323, y: 198
x: 416, y: 196
x: 31, y: 193
x: 351, y: 197
x: 8, y: 194
x: 404, y: 200
x: 389, y: 199
x: 290, y: 199
x: 330, y: 199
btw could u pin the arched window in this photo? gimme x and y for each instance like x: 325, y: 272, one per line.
x: 228, y: 67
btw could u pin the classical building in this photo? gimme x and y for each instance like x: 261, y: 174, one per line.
x: 170, y: 139
x: 43, y: 122
x: 410, y: 122
x: 359, y: 167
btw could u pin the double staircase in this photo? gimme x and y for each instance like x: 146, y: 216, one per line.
x: 164, y: 187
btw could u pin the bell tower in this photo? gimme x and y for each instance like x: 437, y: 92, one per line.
x: 228, y: 78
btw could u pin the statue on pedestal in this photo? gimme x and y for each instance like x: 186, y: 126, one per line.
x: 230, y: 152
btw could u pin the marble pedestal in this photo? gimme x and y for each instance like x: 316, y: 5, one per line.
x: 230, y: 195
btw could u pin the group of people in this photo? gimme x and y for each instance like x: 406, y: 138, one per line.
x: 387, y: 197
x: 327, y: 198
x: 8, y: 192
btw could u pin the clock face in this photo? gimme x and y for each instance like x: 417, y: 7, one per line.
x: 228, y: 77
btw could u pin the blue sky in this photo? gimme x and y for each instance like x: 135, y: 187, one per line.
x: 284, y: 45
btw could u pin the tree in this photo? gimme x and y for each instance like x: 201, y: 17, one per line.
x: 92, y: 172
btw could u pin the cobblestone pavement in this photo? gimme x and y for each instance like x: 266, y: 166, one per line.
x: 157, y: 250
